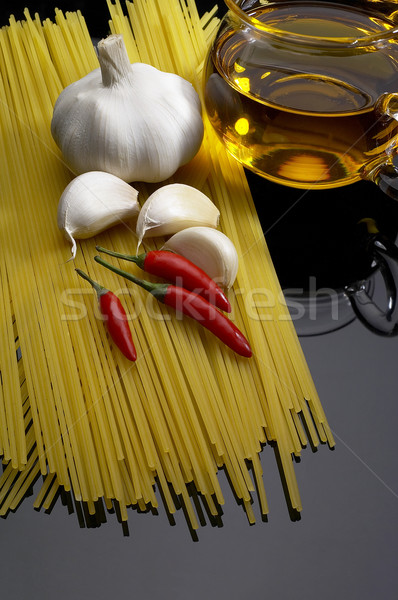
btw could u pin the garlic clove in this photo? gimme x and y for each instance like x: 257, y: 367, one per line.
x: 174, y: 207
x: 209, y: 249
x: 92, y: 202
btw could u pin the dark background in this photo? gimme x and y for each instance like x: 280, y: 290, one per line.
x: 95, y: 12
x: 345, y: 545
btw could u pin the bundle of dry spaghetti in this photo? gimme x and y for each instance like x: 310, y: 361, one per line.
x: 78, y: 415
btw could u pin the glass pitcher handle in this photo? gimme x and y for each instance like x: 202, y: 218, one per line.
x: 387, y: 180
x: 385, y: 175
x: 382, y: 322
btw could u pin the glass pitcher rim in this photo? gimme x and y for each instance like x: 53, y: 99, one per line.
x: 309, y: 40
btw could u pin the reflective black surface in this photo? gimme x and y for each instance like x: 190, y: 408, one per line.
x: 319, y: 233
x: 329, y: 249
x: 345, y: 545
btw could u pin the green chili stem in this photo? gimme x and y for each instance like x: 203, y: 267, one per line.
x: 138, y: 259
x: 158, y: 290
x: 98, y: 288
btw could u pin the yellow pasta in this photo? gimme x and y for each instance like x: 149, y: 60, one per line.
x: 73, y: 409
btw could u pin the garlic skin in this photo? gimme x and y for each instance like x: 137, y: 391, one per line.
x: 131, y: 120
x: 92, y: 202
x: 174, y: 207
x: 209, y: 249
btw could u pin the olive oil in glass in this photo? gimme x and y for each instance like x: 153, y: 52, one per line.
x: 303, y: 113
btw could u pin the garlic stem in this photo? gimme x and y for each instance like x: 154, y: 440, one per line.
x: 114, y: 61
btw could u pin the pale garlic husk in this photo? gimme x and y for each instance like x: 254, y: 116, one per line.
x: 131, y: 120
x: 174, y: 207
x: 209, y: 249
x: 93, y: 202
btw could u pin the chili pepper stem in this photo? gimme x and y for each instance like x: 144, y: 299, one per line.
x: 138, y: 259
x: 156, y: 289
x: 98, y: 288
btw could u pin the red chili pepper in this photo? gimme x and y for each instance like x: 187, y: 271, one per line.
x: 116, y: 318
x: 178, y: 270
x: 194, y: 306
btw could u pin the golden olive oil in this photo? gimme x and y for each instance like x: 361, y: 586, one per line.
x: 301, y: 114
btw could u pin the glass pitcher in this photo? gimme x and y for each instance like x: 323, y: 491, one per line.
x: 305, y: 93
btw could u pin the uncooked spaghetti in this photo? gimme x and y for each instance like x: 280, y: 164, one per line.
x: 84, y: 419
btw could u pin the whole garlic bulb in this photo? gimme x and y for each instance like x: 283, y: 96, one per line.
x: 210, y: 249
x: 92, y: 202
x: 131, y: 120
